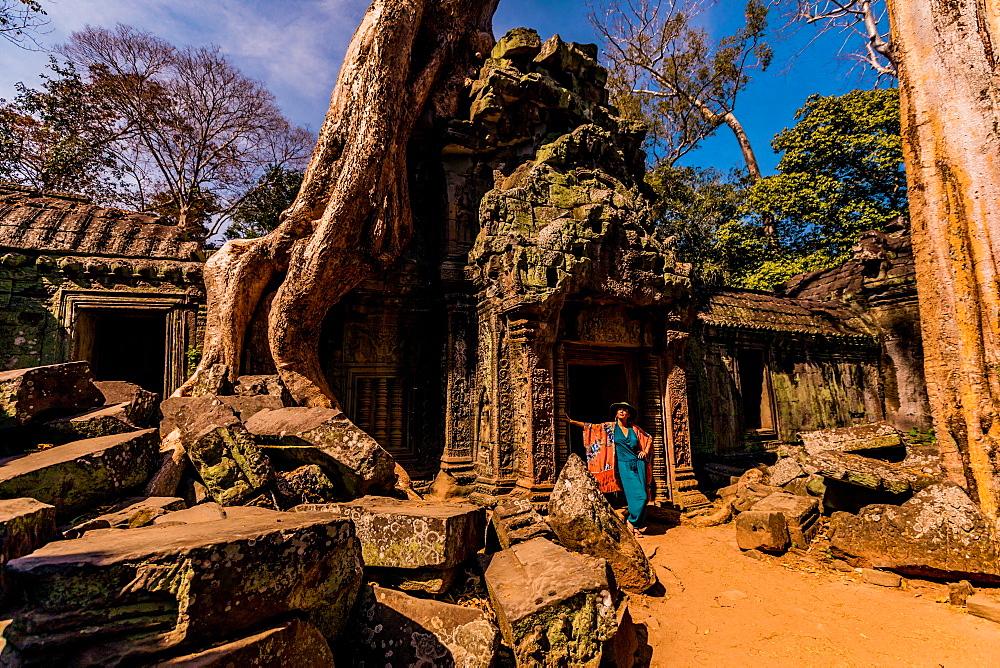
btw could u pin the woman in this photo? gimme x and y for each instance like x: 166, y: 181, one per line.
x: 618, y: 456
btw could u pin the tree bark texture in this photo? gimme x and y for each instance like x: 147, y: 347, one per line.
x: 946, y: 53
x: 352, y: 217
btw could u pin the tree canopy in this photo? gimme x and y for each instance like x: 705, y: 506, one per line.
x: 841, y: 174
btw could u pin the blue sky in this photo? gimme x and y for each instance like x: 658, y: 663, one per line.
x: 295, y: 47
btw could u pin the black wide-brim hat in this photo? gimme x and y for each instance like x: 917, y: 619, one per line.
x: 626, y: 405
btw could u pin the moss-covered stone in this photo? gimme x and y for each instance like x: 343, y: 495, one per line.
x: 84, y: 474
x: 175, y: 586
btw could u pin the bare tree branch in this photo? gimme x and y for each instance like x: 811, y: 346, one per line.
x: 865, y: 19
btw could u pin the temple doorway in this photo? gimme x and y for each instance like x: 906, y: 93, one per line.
x: 596, y: 378
x: 124, y: 344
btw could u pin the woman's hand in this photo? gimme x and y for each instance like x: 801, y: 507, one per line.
x: 643, y: 454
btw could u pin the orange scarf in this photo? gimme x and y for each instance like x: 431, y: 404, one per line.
x: 599, y: 442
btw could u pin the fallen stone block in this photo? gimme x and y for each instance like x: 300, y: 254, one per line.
x: 939, y: 533
x: 293, y: 644
x: 28, y: 395
x: 552, y: 604
x: 747, y: 496
x: 233, y: 468
x: 140, y: 405
x: 516, y: 521
x: 785, y: 471
x: 182, y: 412
x: 624, y: 644
x: 411, y: 534
x: 270, y: 385
x: 203, y: 512
x: 959, y: 592
x: 25, y: 525
x: 173, y: 461
x: 762, y: 530
x: 306, y: 484
x: 166, y: 587
x: 426, y: 580
x: 97, y: 422
x: 982, y: 605
x: 132, y: 514
x: 860, y: 438
x: 84, y: 474
x: 801, y: 515
x: 871, y: 473
x: 584, y: 521
x: 352, y: 459
x: 881, y: 578
x: 389, y: 628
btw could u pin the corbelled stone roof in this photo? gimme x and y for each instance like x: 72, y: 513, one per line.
x: 882, y: 268
x: 30, y: 220
x: 753, y: 310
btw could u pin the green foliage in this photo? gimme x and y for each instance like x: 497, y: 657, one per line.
x: 60, y: 136
x: 258, y: 213
x: 693, y: 207
x: 193, y: 356
x: 841, y: 174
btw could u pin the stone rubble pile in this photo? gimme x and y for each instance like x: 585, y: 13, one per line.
x: 890, y: 509
x: 232, y: 529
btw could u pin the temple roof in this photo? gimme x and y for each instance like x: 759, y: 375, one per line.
x: 882, y: 267
x: 753, y: 310
x: 64, y: 223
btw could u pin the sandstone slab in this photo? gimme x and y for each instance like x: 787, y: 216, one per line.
x: 203, y: 512
x: 306, y: 484
x: 982, y: 605
x: 784, y: 471
x: 180, y: 585
x: 516, y: 521
x: 353, y: 460
x: 871, y: 473
x: 293, y: 644
x: 881, y: 578
x: 231, y: 465
x: 394, y: 629
x: 140, y: 404
x: 552, y: 604
x: 762, y: 530
x: 584, y: 521
x: 132, y: 514
x: 412, y: 534
x: 97, y: 422
x: 84, y: 474
x: 801, y: 514
x: 939, y: 533
x: 44, y: 391
x: 182, y: 412
x: 426, y: 580
x: 25, y: 525
x: 859, y: 438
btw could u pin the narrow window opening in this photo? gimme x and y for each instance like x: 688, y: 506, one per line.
x: 755, y: 391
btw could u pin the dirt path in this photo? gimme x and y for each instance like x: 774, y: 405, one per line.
x: 722, y: 608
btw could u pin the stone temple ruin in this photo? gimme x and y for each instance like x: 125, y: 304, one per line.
x: 238, y: 527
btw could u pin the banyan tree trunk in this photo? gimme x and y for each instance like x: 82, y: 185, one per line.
x: 950, y: 92
x: 352, y: 215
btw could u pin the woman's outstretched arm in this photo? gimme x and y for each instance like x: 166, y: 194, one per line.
x: 575, y: 423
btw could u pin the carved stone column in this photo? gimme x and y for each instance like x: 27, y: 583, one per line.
x: 460, y: 395
x: 652, y: 416
x: 686, y: 496
x: 532, y: 344
x: 494, y: 440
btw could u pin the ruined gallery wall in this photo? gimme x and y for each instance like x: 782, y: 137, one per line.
x: 811, y: 384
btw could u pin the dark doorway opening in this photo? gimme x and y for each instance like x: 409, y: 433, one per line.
x: 592, y: 390
x: 755, y: 391
x: 123, y: 344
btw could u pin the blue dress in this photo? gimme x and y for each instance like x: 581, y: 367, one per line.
x: 631, y: 472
